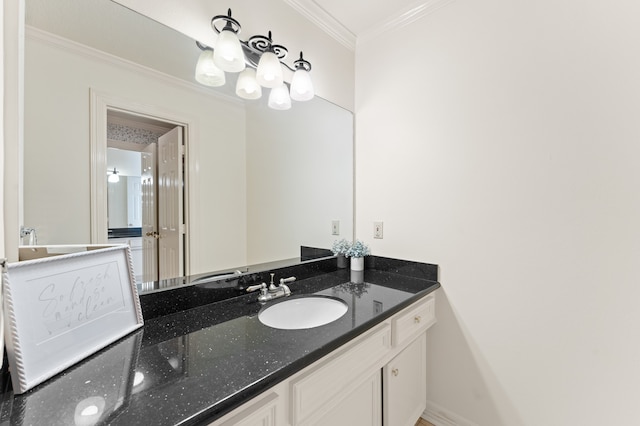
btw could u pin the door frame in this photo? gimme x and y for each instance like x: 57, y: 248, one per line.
x: 100, y: 104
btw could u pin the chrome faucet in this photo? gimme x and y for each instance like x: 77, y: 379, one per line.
x: 272, y: 291
x: 31, y: 233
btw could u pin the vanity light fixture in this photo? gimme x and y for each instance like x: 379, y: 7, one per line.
x: 227, y: 52
x: 259, y: 61
x: 207, y: 72
x: 279, y: 98
x: 247, y: 86
x: 269, y: 71
x: 138, y: 378
x: 301, y: 85
x: 113, y: 176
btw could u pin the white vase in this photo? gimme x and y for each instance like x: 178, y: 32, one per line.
x: 357, y: 263
x: 357, y: 277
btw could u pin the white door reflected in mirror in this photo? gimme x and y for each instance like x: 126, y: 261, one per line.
x: 145, y: 208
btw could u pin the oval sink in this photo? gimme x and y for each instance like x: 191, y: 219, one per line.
x: 303, y: 312
x: 212, y: 276
x: 216, y: 280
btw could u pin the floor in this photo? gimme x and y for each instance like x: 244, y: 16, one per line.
x: 423, y: 422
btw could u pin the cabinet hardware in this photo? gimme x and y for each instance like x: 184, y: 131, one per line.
x: 417, y: 319
x: 395, y: 371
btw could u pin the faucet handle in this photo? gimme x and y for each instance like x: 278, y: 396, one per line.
x: 287, y: 280
x: 262, y: 286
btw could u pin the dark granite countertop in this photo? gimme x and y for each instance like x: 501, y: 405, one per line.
x: 192, y: 366
x: 124, y: 232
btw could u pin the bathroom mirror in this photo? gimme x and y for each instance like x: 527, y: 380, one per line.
x: 124, y: 191
x: 268, y: 181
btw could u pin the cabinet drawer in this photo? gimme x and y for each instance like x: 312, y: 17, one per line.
x: 416, y: 320
x: 320, y: 389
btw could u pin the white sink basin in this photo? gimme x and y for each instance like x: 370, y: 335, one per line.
x: 303, y: 312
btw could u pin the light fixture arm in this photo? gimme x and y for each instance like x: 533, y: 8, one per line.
x: 300, y: 64
x: 256, y: 45
x: 261, y: 44
x: 203, y: 46
x: 230, y: 24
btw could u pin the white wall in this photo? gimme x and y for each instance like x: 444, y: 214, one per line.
x: 2, y: 134
x: 56, y: 170
x: 12, y: 52
x: 126, y: 163
x: 500, y: 141
x: 117, y: 209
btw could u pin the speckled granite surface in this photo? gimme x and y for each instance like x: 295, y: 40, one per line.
x: 193, y: 366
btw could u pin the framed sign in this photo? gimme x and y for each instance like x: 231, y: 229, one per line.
x: 58, y: 310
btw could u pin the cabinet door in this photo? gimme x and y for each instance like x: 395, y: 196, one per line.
x: 361, y: 407
x: 320, y: 388
x: 405, y: 385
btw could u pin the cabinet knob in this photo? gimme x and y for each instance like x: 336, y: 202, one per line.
x: 417, y: 319
x: 395, y: 371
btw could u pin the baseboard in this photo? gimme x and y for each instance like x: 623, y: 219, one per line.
x: 440, y: 416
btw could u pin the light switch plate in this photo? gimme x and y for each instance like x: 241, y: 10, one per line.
x: 335, y: 227
x: 377, y: 230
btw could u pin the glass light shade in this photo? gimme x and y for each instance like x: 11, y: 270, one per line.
x: 113, y: 177
x: 301, y: 86
x: 227, y: 52
x: 206, y: 71
x: 269, y: 73
x: 247, y: 86
x: 279, y: 98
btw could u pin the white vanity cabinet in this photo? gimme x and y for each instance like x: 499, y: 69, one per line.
x: 136, y: 253
x: 378, y: 378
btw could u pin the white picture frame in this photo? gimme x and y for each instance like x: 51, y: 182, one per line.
x: 58, y: 310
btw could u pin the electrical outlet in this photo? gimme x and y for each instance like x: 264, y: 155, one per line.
x: 335, y: 227
x: 377, y: 230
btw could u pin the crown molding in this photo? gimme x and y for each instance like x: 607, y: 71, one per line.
x: 33, y: 33
x: 325, y: 21
x: 413, y: 13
